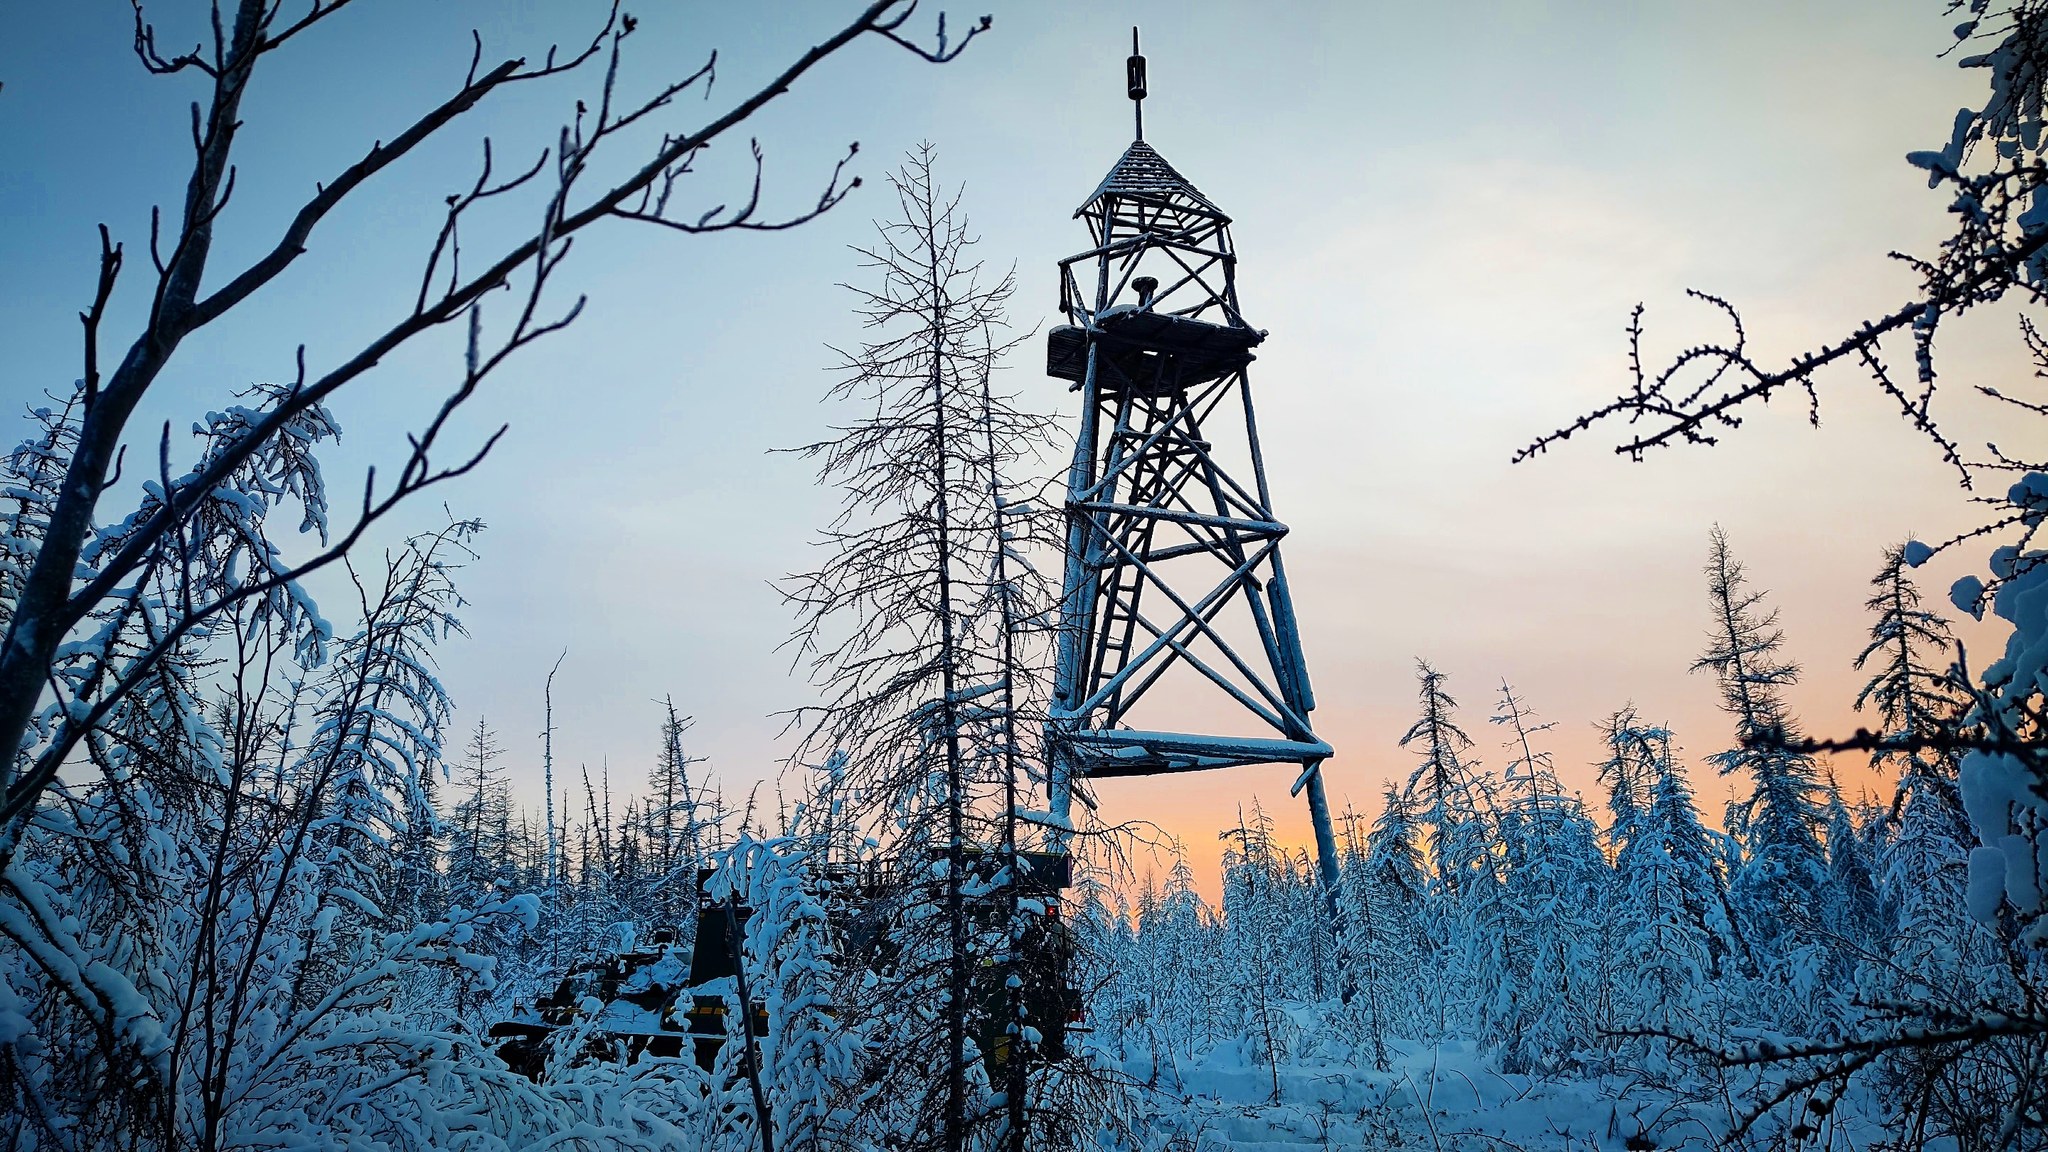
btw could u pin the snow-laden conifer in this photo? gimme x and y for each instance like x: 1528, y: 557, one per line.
x: 810, y: 1060
x: 675, y: 829
x: 1446, y: 796
x: 1668, y: 908
x: 1855, y: 923
x: 1778, y: 887
x: 1381, y: 941
x: 1178, y: 1004
x: 1452, y: 809
x: 1541, y: 966
x: 243, y: 890
x: 1258, y: 913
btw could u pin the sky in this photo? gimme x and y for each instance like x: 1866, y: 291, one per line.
x: 1444, y: 214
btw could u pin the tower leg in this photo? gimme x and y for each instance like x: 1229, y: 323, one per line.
x: 1059, y: 789
x: 1077, y: 599
x: 1326, y: 864
x: 1326, y: 834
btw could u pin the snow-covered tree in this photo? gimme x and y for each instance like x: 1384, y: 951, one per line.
x: 1851, y: 912
x: 1177, y: 1006
x: 1779, y: 887
x: 34, y: 470
x: 1628, y: 772
x: 234, y: 894
x: 1536, y: 946
x: 1912, y: 687
x: 1263, y: 911
x: 1445, y: 794
x: 1393, y: 849
x: 810, y: 1060
x: 1921, y: 711
x: 1380, y: 893
x: 1668, y: 908
x: 674, y: 831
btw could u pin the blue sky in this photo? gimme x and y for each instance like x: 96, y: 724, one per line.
x: 1444, y: 213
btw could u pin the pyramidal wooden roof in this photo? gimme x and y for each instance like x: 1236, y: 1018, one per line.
x: 1143, y: 174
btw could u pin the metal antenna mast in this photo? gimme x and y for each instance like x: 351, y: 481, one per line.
x: 1134, y: 71
x: 1173, y: 577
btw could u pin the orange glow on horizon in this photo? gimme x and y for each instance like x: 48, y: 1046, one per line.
x: 1195, y: 809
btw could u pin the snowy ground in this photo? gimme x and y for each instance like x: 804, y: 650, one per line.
x: 1445, y: 1097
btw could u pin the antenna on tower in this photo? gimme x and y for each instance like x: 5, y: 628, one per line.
x: 1134, y: 69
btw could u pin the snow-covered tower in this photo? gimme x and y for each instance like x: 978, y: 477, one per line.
x: 1173, y: 588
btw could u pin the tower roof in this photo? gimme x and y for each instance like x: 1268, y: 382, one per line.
x: 1144, y: 175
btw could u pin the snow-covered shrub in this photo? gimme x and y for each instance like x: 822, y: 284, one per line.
x: 811, y: 1058
x: 2005, y: 783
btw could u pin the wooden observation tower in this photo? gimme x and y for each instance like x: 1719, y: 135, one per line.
x: 1173, y: 588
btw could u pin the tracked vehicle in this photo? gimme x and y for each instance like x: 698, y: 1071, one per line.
x: 631, y: 992
x: 646, y: 999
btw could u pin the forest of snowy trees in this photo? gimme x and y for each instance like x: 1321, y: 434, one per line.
x: 258, y: 889
x: 1742, y: 961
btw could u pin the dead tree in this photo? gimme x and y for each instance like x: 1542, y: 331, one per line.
x: 908, y: 625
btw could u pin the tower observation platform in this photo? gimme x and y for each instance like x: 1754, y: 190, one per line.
x: 1178, y: 649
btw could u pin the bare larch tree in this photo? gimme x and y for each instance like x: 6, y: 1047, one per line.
x: 910, y: 624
